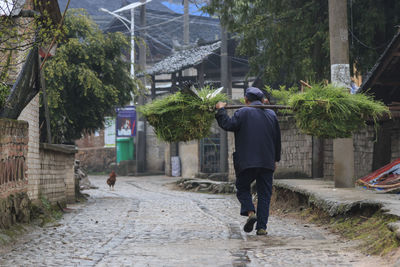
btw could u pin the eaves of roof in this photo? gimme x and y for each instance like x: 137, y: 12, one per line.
x: 11, y: 7
x: 382, y: 64
x: 183, y: 59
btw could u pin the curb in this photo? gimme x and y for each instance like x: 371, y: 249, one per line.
x: 206, y: 186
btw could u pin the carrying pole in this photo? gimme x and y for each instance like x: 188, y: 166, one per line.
x: 258, y: 106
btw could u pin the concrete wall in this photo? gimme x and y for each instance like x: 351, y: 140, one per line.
x: 155, y: 150
x: 57, y: 181
x: 296, y: 156
x: 363, y: 142
x: 189, y: 155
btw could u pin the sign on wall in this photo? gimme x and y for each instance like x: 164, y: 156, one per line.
x: 126, y: 121
x: 109, y: 132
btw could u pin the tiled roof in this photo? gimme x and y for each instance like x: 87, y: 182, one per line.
x: 184, y: 59
x: 11, y: 7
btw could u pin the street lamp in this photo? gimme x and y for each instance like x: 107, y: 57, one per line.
x: 131, y: 29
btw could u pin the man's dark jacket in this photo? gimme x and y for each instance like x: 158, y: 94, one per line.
x: 257, y: 137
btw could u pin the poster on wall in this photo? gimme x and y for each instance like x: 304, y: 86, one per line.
x: 126, y: 121
x: 109, y: 132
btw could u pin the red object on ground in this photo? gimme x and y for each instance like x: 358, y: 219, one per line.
x: 385, y: 179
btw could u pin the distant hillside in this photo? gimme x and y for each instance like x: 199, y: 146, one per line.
x: 102, y: 19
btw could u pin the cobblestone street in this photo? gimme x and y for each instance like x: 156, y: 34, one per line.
x: 143, y: 222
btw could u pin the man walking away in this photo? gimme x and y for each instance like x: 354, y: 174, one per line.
x: 257, y: 149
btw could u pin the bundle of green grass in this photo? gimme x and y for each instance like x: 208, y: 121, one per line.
x: 182, y: 117
x: 331, y: 112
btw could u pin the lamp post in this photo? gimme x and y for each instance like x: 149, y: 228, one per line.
x: 131, y: 27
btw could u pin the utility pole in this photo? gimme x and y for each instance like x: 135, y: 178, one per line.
x: 343, y: 150
x: 186, y: 31
x: 225, y: 82
x: 141, y: 123
x: 186, y: 22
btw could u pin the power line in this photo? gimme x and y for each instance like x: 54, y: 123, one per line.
x: 365, y: 45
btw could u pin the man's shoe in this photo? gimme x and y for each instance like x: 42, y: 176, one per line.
x: 248, y: 227
x: 262, y: 232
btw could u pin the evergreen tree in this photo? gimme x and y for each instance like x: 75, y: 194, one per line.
x: 86, y: 79
x: 288, y: 40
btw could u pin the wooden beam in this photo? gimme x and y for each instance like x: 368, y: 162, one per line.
x: 200, y: 74
x: 45, y: 102
x: 153, y: 87
x: 381, y: 69
x: 173, y: 81
x: 388, y: 83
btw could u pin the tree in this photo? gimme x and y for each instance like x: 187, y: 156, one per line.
x: 21, y: 31
x: 288, y: 40
x: 86, y: 79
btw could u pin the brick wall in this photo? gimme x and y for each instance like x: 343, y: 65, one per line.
x: 31, y: 115
x: 91, y: 140
x: 57, y: 181
x: 92, y: 154
x: 97, y: 159
x: 13, y: 152
x: 19, y: 56
x: 14, y: 201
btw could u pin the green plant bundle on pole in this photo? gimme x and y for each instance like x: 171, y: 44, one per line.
x: 182, y: 117
x: 332, y: 112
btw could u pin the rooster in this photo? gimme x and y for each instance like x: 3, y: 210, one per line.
x: 111, y: 180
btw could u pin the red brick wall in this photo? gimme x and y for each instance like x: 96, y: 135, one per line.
x: 13, y: 152
x: 90, y: 140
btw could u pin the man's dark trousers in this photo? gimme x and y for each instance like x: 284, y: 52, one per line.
x: 263, y: 178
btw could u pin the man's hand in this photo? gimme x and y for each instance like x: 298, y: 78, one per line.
x: 220, y: 105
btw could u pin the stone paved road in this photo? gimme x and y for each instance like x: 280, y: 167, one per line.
x: 145, y: 223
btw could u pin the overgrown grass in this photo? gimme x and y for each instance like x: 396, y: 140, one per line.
x: 42, y: 213
x: 368, y: 226
x: 371, y: 231
x: 46, y: 212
